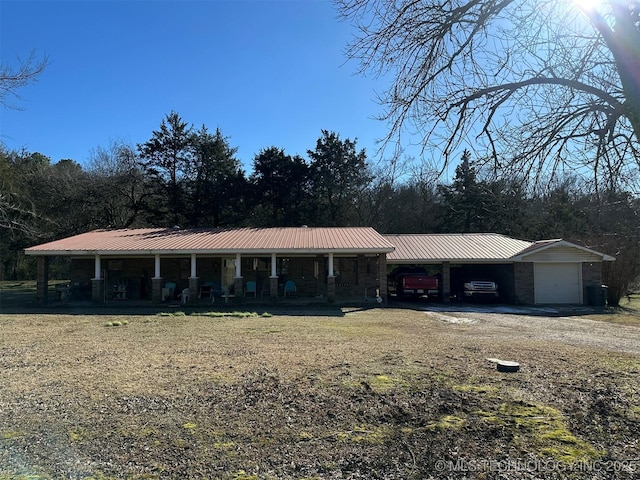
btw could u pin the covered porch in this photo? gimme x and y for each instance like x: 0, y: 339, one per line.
x: 334, y: 264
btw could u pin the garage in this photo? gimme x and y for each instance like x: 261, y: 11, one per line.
x: 558, y: 283
x: 544, y: 272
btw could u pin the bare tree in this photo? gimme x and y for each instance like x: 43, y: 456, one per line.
x: 534, y: 86
x: 14, y: 78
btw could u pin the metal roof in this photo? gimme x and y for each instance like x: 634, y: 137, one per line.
x: 557, y: 243
x: 299, y: 240
x: 463, y: 247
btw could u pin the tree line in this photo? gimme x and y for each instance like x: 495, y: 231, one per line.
x: 191, y: 177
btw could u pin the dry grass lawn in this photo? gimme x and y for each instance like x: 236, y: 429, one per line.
x: 376, y: 393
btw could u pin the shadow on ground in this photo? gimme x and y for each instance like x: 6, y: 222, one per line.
x: 20, y: 298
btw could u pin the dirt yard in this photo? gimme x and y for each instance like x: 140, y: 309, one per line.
x: 352, y: 393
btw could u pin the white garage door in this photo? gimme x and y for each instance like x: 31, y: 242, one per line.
x: 557, y: 283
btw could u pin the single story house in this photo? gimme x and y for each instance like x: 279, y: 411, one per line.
x: 328, y: 263
x: 160, y: 263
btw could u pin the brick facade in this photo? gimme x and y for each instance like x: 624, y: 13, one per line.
x: 133, y: 278
x: 524, y: 284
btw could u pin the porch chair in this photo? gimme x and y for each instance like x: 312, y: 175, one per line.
x: 184, y: 296
x: 168, y: 291
x: 250, y: 289
x: 290, y: 289
x: 206, y: 290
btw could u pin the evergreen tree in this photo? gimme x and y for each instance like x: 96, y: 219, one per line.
x: 280, y: 186
x: 215, y: 182
x: 166, y: 159
x: 339, y: 176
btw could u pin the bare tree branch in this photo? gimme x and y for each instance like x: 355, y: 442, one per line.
x: 534, y: 85
x: 12, y: 79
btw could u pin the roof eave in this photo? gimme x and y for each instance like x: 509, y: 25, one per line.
x: 554, y: 243
x: 450, y: 260
x: 233, y: 251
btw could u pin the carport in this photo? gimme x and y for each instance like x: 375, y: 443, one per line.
x: 544, y: 272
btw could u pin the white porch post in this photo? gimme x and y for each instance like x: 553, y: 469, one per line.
x: 97, y: 268
x: 331, y: 264
x: 331, y: 280
x: 193, y: 265
x: 156, y: 281
x: 273, y: 279
x: 194, y: 286
x: 97, y: 282
x: 157, y: 267
x: 238, y: 266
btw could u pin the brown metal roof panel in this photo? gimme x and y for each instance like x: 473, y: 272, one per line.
x: 442, y: 247
x: 251, y: 239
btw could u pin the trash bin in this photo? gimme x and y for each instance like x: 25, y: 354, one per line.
x: 597, y: 295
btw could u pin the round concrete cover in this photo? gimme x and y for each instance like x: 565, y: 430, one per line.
x: 508, y: 366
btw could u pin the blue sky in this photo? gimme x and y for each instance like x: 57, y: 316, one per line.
x: 267, y: 73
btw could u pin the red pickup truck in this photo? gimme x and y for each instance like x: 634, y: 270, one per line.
x: 413, y: 282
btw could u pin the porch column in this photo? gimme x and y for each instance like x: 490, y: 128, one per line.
x: 382, y: 277
x: 238, y: 265
x: 194, y: 287
x: 156, y: 265
x: 156, y: 282
x: 446, y: 282
x: 273, y: 279
x: 42, y: 281
x: 97, y: 282
x: 97, y: 268
x: 238, y: 287
x: 331, y: 281
x: 193, y: 266
x: 361, y: 261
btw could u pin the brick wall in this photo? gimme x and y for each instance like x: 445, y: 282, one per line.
x: 524, y: 283
x: 591, y: 274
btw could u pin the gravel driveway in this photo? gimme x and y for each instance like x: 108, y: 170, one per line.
x: 568, y: 326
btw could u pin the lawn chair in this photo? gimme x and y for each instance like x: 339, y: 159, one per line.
x: 290, y: 289
x: 250, y: 289
x: 168, y: 291
x: 184, y: 296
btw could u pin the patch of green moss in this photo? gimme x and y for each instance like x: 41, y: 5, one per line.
x: 542, y: 430
x: 9, y: 434
x: 136, y: 432
x: 117, y: 323
x: 77, y: 434
x: 180, y: 443
x: 365, y: 434
x: 447, y: 422
x: 475, y: 388
x: 21, y: 477
x: 621, y: 363
x: 242, y: 475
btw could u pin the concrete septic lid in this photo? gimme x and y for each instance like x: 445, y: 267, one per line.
x: 505, y: 365
x: 508, y: 366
